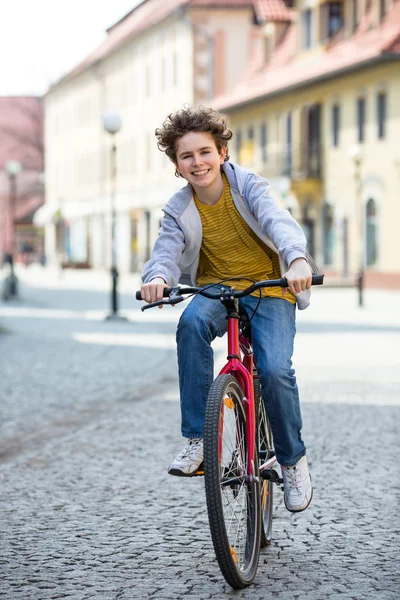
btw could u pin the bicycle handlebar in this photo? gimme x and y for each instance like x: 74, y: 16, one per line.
x: 178, y: 292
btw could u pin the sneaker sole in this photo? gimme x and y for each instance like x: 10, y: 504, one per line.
x: 177, y: 473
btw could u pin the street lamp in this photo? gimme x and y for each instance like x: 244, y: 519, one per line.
x: 356, y: 153
x: 112, y: 124
x: 13, y: 168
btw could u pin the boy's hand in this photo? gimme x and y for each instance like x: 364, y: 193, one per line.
x: 154, y: 290
x: 298, y: 276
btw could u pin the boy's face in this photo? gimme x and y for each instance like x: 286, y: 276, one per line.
x: 198, y: 159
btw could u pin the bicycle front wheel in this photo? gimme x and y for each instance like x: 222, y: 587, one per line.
x: 233, y: 499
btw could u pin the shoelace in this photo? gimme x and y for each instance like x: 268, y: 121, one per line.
x: 190, y: 448
x: 294, y: 478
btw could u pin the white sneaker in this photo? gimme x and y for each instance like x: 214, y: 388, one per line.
x: 187, y: 463
x: 297, y: 486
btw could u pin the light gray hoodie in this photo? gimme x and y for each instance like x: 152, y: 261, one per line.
x: 175, y: 255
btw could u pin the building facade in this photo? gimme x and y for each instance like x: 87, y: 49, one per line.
x: 21, y: 177
x: 159, y: 57
x: 317, y: 113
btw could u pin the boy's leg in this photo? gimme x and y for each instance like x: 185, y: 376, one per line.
x: 201, y: 322
x: 273, y: 331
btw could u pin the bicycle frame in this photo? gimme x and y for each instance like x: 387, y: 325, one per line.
x: 242, y: 370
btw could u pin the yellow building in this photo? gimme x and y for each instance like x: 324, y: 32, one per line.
x: 318, y: 114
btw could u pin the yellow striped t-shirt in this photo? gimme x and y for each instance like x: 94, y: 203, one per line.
x: 230, y: 248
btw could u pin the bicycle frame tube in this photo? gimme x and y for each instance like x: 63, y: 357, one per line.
x: 243, y: 371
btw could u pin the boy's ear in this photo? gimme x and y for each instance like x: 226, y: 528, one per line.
x: 222, y: 154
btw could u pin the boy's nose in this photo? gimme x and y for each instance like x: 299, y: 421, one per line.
x: 197, y: 160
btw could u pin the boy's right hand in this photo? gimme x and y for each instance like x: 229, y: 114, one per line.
x: 154, y: 290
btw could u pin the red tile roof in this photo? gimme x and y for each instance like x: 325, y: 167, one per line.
x: 145, y: 15
x: 287, y: 68
x: 151, y: 12
x: 272, y: 10
x: 217, y: 3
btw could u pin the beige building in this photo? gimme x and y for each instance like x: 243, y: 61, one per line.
x: 318, y: 113
x: 160, y: 56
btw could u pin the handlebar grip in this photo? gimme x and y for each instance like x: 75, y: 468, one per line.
x: 167, y: 292
x: 317, y: 280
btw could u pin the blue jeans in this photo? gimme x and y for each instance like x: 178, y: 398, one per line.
x: 273, y: 331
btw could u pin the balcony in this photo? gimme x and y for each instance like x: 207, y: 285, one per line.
x: 296, y: 162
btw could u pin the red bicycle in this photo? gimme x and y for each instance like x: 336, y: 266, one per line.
x: 239, y: 456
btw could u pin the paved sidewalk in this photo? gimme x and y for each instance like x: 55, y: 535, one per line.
x: 83, y: 279
x: 90, y: 421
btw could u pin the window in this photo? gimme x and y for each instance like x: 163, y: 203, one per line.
x: 354, y: 11
x: 361, y: 119
x: 163, y: 73
x: 334, y: 18
x: 149, y: 139
x: 263, y: 142
x: 382, y: 9
x: 307, y: 28
x: 335, y: 125
x: 175, y: 68
x: 148, y: 81
x: 329, y: 233
x: 147, y: 220
x: 371, y: 233
x: 238, y: 144
x: 287, y: 164
x: 381, y: 115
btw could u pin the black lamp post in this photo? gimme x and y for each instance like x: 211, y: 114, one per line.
x: 10, y: 289
x: 112, y: 124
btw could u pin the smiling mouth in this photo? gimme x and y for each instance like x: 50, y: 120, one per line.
x: 198, y: 173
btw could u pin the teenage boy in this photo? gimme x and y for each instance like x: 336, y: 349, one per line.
x: 223, y: 224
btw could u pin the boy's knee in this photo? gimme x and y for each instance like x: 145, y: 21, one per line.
x: 275, y: 375
x: 190, y: 323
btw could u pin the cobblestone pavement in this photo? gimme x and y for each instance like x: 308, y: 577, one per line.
x: 90, y: 420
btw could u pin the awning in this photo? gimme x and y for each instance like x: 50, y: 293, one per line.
x: 43, y: 215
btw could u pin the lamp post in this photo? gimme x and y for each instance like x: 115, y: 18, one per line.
x: 356, y: 154
x: 112, y: 124
x: 13, y: 168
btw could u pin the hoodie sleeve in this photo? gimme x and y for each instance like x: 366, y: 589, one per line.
x: 278, y: 224
x: 166, y: 254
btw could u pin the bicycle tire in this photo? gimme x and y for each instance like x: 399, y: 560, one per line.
x: 264, y: 445
x: 237, y: 548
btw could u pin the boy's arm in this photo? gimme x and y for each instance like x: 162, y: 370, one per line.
x: 278, y: 224
x: 284, y: 232
x: 166, y: 254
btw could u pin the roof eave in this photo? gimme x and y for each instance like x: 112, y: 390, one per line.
x: 89, y: 65
x: 384, y: 57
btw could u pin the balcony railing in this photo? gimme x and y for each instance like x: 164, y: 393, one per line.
x: 296, y: 162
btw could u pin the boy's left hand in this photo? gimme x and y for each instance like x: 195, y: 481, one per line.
x: 298, y: 276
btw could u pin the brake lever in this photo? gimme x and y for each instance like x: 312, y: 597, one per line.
x: 172, y: 301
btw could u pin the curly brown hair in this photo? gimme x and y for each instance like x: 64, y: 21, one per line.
x: 188, y: 119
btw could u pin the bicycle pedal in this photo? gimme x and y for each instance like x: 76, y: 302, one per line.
x: 198, y: 473
x: 271, y: 475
